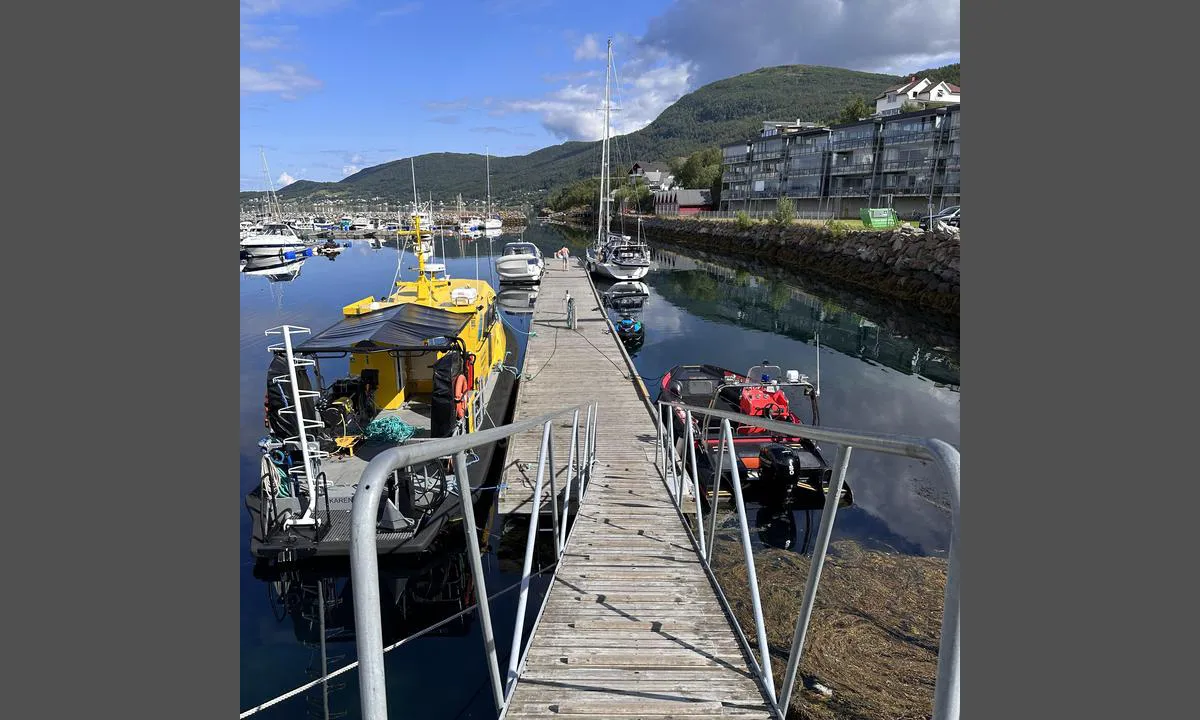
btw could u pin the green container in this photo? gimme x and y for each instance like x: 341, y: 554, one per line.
x: 878, y: 217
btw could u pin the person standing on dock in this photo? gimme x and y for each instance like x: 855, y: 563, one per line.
x: 563, y: 253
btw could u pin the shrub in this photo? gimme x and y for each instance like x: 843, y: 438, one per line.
x: 742, y: 220
x: 785, y: 212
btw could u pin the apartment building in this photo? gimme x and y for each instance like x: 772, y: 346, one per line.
x: 906, y: 161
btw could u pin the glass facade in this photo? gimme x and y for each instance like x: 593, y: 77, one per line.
x: 882, y: 157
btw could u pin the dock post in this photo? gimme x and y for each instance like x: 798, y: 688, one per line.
x: 570, y: 468
x: 553, y: 496
x: 824, y: 532
x: 481, y: 596
x: 716, y: 493
x: 760, y: 628
x: 691, y: 449
x: 523, y: 599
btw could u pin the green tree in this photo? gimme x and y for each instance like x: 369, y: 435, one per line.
x: 855, y: 110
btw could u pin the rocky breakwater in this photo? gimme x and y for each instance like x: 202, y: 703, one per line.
x: 905, y: 263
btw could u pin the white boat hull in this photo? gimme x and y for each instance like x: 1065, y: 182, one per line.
x: 518, y: 268
x: 620, y: 272
x: 264, y: 250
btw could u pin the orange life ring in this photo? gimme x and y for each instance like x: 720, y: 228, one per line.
x: 460, y: 394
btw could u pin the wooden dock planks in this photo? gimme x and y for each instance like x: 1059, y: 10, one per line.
x: 632, y: 628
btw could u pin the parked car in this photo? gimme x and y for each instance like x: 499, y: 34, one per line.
x: 949, y: 215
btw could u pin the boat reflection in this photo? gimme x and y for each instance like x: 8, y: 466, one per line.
x: 777, y: 527
x: 517, y: 300
x: 273, y: 269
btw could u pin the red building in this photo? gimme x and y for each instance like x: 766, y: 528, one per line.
x: 682, y: 202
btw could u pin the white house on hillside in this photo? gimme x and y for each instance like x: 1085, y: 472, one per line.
x: 918, y: 92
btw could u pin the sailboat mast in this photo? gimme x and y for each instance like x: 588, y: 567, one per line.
x: 603, y: 228
x: 487, y: 159
x: 273, y: 199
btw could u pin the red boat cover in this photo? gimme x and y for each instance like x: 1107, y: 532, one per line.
x: 756, y: 401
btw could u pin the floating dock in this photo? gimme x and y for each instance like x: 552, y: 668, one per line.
x: 632, y: 626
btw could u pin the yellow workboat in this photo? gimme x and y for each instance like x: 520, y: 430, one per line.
x: 427, y: 361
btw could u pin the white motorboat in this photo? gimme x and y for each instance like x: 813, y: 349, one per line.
x: 275, y: 239
x: 520, y: 262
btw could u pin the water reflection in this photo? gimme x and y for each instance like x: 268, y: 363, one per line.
x: 317, y: 601
x: 273, y: 269
x: 725, y: 293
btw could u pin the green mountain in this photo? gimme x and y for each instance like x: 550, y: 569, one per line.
x: 721, y: 112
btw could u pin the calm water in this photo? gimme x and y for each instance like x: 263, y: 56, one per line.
x: 723, y: 312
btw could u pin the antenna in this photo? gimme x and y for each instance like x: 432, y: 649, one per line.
x: 412, y: 164
x: 818, y: 345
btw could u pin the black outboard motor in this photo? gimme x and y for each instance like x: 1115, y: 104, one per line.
x: 781, y: 466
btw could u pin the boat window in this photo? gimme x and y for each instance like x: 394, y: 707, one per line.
x: 700, y: 387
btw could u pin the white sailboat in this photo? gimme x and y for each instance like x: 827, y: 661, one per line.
x: 490, y: 222
x: 613, y: 255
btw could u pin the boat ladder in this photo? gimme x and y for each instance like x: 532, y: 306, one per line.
x: 303, y: 474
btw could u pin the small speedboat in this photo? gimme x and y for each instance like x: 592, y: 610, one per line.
x: 520, y: 262
x: 774, y: 469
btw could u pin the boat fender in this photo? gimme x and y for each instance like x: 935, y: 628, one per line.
x: 471, y: 370
x: 460, y: 395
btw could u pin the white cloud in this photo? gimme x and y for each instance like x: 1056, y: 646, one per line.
x: 573, y: 112
x: 348, y: 170
x: 589, y: 49
x: 285, y: 179
x: 260, y: 38
x: 728, y: 38
x: 287, y: 81
x: 291, y: 7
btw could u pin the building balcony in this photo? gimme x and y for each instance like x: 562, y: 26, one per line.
x: 806, y: 171
x: 907, y: 190
x: 854, y: 143
x: 759, y: 194
x: 952, y: 162
x: 853, y: 169
x: 765, y: 155
x: 804, y: 192
x: 733, y: 194
x: 902, y: 165
x: 891, y: 140
x: 734, y: 159
x: 861, y: 191
x: 949, y: 189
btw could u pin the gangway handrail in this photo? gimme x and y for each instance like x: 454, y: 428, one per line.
x: 942, y: 454
x: 364, y: 561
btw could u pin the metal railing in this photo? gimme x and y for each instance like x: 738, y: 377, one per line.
x: 364, y: 562
x: 676, y: 475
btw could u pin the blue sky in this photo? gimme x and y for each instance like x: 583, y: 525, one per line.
x: 329, y: 87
